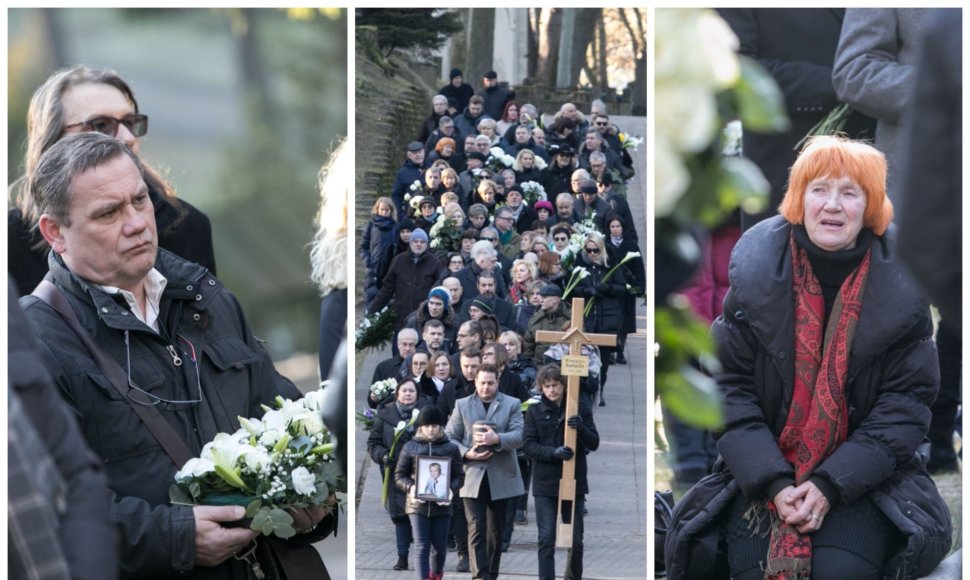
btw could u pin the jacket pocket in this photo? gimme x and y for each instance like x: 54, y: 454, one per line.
x: 110, y: 423
x: 229, y: 353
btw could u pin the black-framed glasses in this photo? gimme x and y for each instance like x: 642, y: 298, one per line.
x: 600, y: 124
x: 143, y: 397
x: 560, y: 238
x: 136, y: 123
x: 488, y: 239
x: 592, y: 250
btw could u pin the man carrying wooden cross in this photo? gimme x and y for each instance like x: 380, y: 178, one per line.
x: 544, y: 441
x: 559, y: 453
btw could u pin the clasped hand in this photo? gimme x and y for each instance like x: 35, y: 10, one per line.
x: 803, y: 507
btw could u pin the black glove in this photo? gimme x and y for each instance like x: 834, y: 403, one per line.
x: 386, y: 460
x: 602, y: 288
x: 576, y: 422
x: 564, y: 453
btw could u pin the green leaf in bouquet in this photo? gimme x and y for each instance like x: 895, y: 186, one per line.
x: 760, y: 104
x: 323, y: 490
x: 178, y: 496
x: 253, y: 508
x: 282, y: 523
x: 231, y: 476
x: 195, y: 489
x: 692, y: 396
x: 262, y: 522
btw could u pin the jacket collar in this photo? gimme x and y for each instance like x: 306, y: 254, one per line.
x: 187, y: 281
x: 760, y: 275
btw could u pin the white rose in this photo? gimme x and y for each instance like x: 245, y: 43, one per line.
x: 257, y: 459
x: 303, y: 481
x: 312, y: 423
x: 689, y: 121
x: 269, y: 437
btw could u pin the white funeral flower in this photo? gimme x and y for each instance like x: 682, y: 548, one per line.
x: 314, y: 400
x: 257, y: 459
x: 195, y: 467
x: 303, y: 481
x: 671, y: 178
x: 312, y: 423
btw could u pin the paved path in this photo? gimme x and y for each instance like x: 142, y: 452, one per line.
x: 616, y: 526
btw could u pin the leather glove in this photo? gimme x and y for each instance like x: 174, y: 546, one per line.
x: 602, y: 288
x: 386, y: 460
x: 576, y: 422
x: 564, y: 453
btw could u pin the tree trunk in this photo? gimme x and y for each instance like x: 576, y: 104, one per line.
x: 586, y: 20
x: 532, y: 60
x: 602, y: 75
x: 566, y: 38
x: 636, y: 93
x: 481, y: 45
x: 245, y: 25
x: 553, y: 36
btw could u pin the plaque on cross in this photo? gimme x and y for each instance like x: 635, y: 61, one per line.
x: 572, y: 368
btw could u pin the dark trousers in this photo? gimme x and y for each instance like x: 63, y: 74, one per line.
x: 519, y: 502
x: 428, y: 533
x: 853, y: 542
x: 944, y: 409
x: 547, y: 522
x: 459, y: 528
x: 485, y: 519
x: 402, y: 535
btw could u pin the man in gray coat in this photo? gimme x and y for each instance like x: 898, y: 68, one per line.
x: 487, y: 427
x: 875, y: 66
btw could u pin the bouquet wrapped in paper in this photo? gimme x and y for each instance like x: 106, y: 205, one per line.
x: 283, y: 461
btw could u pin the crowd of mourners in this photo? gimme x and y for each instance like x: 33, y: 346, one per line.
x: 499, y: 216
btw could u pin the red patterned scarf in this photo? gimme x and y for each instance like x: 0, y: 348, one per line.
x: 818, y: 420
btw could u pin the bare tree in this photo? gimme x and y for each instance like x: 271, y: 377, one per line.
x: 550, y: 63
x: 481, y: 45
x: 583, y: 32
x: 532, y: 59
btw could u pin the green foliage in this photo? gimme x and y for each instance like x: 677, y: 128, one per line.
x: 426, y: 28
x: 686, y: 392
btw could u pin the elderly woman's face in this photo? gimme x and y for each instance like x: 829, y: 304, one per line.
x: 456, y: 263
x: 834, y: 208
x: 487, y: 130
x: 522, y: 274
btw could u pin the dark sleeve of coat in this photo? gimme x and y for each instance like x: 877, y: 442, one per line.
x: 747, y: 444
x: 375, y: 442
x: 895, y: 425
x: 87, y: 537
x: 387, y: 286
x: 535, y: 448
x: 589, y: 436
x: 404, y: 470
x: 365, y: 242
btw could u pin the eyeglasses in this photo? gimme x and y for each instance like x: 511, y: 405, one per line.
x: 503, y: 217
x: 592, y: 250
x: 137, y: 124
x: 148, y: 399
x: 488, y: 239
x: 600, y: 124
x: 560, y: 238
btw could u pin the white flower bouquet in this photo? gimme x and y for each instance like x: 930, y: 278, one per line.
x: 631, y: 142
x: 498, y: 159
x: 382, y: 389
x: 283, y: 461
x: 532, y: 192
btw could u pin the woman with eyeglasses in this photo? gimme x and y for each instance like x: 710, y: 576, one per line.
x: 415, y: 369
x: 560, y: 237
x: 80, y: 99
x: 605, y: 292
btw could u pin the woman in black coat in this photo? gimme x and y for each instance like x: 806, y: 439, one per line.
x: 821, y: 465
x: 382, y: 449
x: 618, y: 244
x: 606, y: 292
x: 375, y: 244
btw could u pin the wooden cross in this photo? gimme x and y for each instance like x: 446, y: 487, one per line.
x: 574, y: 366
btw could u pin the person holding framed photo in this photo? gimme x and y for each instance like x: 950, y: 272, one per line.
x: 429, y: 471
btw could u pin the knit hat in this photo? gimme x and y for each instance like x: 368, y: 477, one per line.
x: 588, y: 186
x: 431, y: 415
x: 455, y: 72
x: 419, y: 235
x: 544, y: 204
x: 490, y: 74
x: 441, y: 293
x: 481, y: 306
x: 550, y: 290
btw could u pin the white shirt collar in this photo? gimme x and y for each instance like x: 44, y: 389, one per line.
x: 154, y: 286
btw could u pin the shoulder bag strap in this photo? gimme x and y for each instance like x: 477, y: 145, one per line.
x: 170, y: 441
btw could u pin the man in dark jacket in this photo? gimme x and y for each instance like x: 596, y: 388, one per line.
x: 176, y: 332
x: 439, y: 108
x: 412, y: 170
x: 544, y: 442
x: 552, y: 315
x: 467, y: 121
x: 409, y: 279
x: 495, y: 96
x: 407, y: 342
x: 457, y: 89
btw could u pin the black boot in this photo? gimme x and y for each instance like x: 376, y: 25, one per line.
x: 402, y: 562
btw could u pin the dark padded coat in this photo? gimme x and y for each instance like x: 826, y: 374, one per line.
x: 544, y: 431
x: 408, y: 281
x: 404, y: 473
x: 893, y: 377
x: 379, y: 444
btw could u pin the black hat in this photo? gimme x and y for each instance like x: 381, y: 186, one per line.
x: 566, y: 150
x: 551, y: 290
x: 452, y: 102
x: 606, y: 178
x: 588, y: 186
x: 477, y: 155
x: 455, y: 72
x: 415, y: 146
x: 431, y: 415
x: 490, y: 75
x: 404, y: 224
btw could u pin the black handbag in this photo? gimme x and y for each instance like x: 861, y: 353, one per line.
x: 663, y: 509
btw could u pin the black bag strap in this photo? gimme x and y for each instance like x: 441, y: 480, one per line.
x: 170, y: 441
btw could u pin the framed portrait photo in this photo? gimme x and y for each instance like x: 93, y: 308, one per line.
x: 433, y: 479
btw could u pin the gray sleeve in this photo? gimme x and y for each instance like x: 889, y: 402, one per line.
x: 867, y: 73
